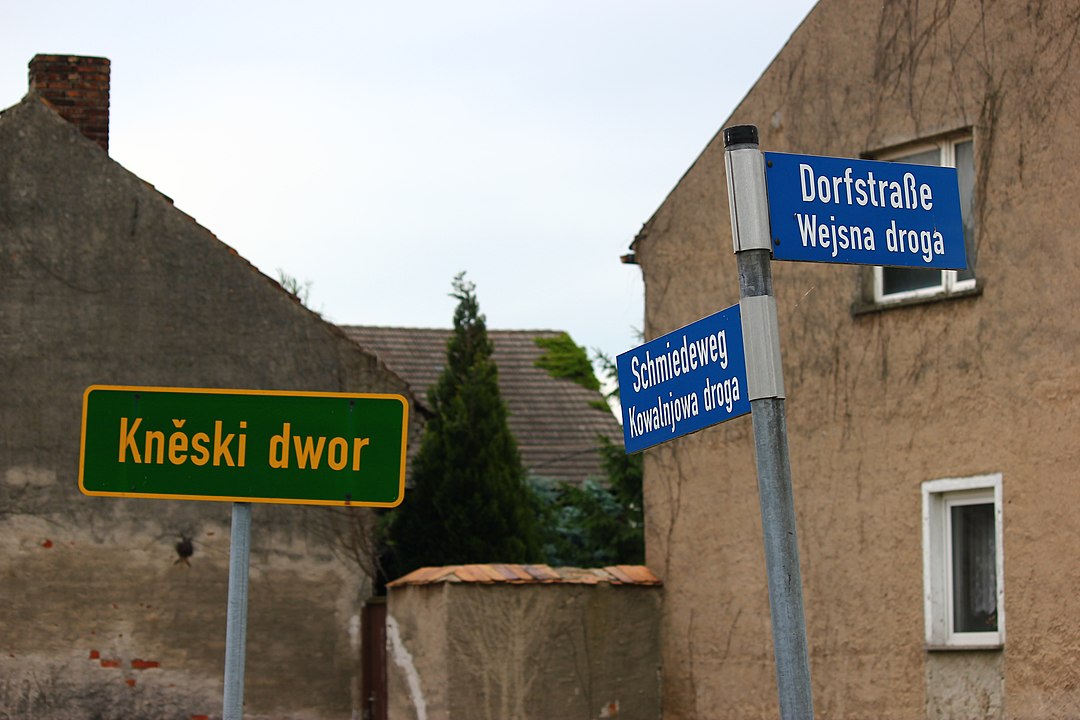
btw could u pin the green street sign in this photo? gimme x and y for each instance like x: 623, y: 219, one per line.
x: 244, y: 445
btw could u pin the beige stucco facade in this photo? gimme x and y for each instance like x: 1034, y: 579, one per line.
x: 880, y: 402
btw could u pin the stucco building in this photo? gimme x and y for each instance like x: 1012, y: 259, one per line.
x: 104, y: 281
x: 933, y: 419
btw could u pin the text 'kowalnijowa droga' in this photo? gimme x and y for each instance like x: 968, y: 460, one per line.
x: 683, y: 381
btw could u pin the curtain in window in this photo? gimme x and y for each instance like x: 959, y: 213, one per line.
x: 974, y: 568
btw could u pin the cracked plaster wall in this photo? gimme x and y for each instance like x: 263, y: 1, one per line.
x: 878, y: 403
x: 532, y: 651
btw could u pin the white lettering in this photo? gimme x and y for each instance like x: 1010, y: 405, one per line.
x: 806, y: 181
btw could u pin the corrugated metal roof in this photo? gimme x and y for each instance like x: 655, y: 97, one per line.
x: 513, y: 574
x: 554, y: 420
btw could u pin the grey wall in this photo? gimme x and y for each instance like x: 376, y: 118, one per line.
x: 102, y: 280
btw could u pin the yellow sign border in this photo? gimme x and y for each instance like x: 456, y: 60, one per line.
x: 224, y: 391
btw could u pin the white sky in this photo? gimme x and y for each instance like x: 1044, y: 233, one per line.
x: 376, y: 149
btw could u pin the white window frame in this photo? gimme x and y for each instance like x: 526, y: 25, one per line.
x: 938, y: 496
x: 949, y: 281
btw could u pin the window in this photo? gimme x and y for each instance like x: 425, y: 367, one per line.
x: 895, y: 284
x: 962, y: 563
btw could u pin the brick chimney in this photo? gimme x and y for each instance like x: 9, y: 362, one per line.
x: 77, y: 87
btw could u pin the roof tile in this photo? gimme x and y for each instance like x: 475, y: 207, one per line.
x: 638, y: 574
x: 425, y: 575
x: 541, y: 573
x: 554, y: 420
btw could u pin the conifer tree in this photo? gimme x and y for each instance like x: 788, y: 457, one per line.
x: 469, y: 502
x: 599, y: 522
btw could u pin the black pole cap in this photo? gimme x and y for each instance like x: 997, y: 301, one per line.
x: 740, y: 135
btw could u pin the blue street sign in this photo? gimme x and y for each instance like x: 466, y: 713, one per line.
x: 864, y: 212
x: 684, y: 381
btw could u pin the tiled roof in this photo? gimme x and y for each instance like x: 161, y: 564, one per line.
x: 555, y: 424
x: 497, y: 573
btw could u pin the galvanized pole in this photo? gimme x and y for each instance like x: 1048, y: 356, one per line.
x: 765, y: 388
x: 236, y: 624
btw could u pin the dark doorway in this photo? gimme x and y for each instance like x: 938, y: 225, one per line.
x: 373, y: 657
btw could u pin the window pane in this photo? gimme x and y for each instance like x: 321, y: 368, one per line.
x: 965, y: 175
x: 926, y: 157
x: 897, y: 280
x: 974, y: 568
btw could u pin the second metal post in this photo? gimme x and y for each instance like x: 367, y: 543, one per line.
x: 750, y: 229
x: 236, y: 623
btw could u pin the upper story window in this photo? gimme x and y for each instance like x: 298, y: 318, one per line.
x: 892, y: 284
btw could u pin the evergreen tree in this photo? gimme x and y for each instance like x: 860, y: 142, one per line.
x: 601, y: 521
x: 469, y: 502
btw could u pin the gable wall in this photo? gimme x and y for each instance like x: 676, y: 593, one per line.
x: 105, y: 282
x: 879, y: 403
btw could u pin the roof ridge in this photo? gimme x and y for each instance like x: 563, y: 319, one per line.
x: 412, y: 328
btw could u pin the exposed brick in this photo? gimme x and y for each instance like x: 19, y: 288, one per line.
x: 72, y: 83
x: 110, y: 663
x: 95, y: 655
x: 137, y: 664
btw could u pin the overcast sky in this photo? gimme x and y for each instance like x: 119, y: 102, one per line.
x: 376, y: 149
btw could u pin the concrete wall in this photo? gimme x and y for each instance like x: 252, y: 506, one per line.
x: 879, y: 403
x: 514, y: 652
x: 103, y: 281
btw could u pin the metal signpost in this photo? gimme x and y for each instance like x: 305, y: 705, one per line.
x: 815, y: 209
x: 684, y: 381
x: 750, y: 231
x: 243, y: 446
x: 784, y: 207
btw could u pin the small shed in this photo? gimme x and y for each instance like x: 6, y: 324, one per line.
x: 499, y: 641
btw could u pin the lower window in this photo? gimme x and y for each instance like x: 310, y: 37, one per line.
x: 963, y: 562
